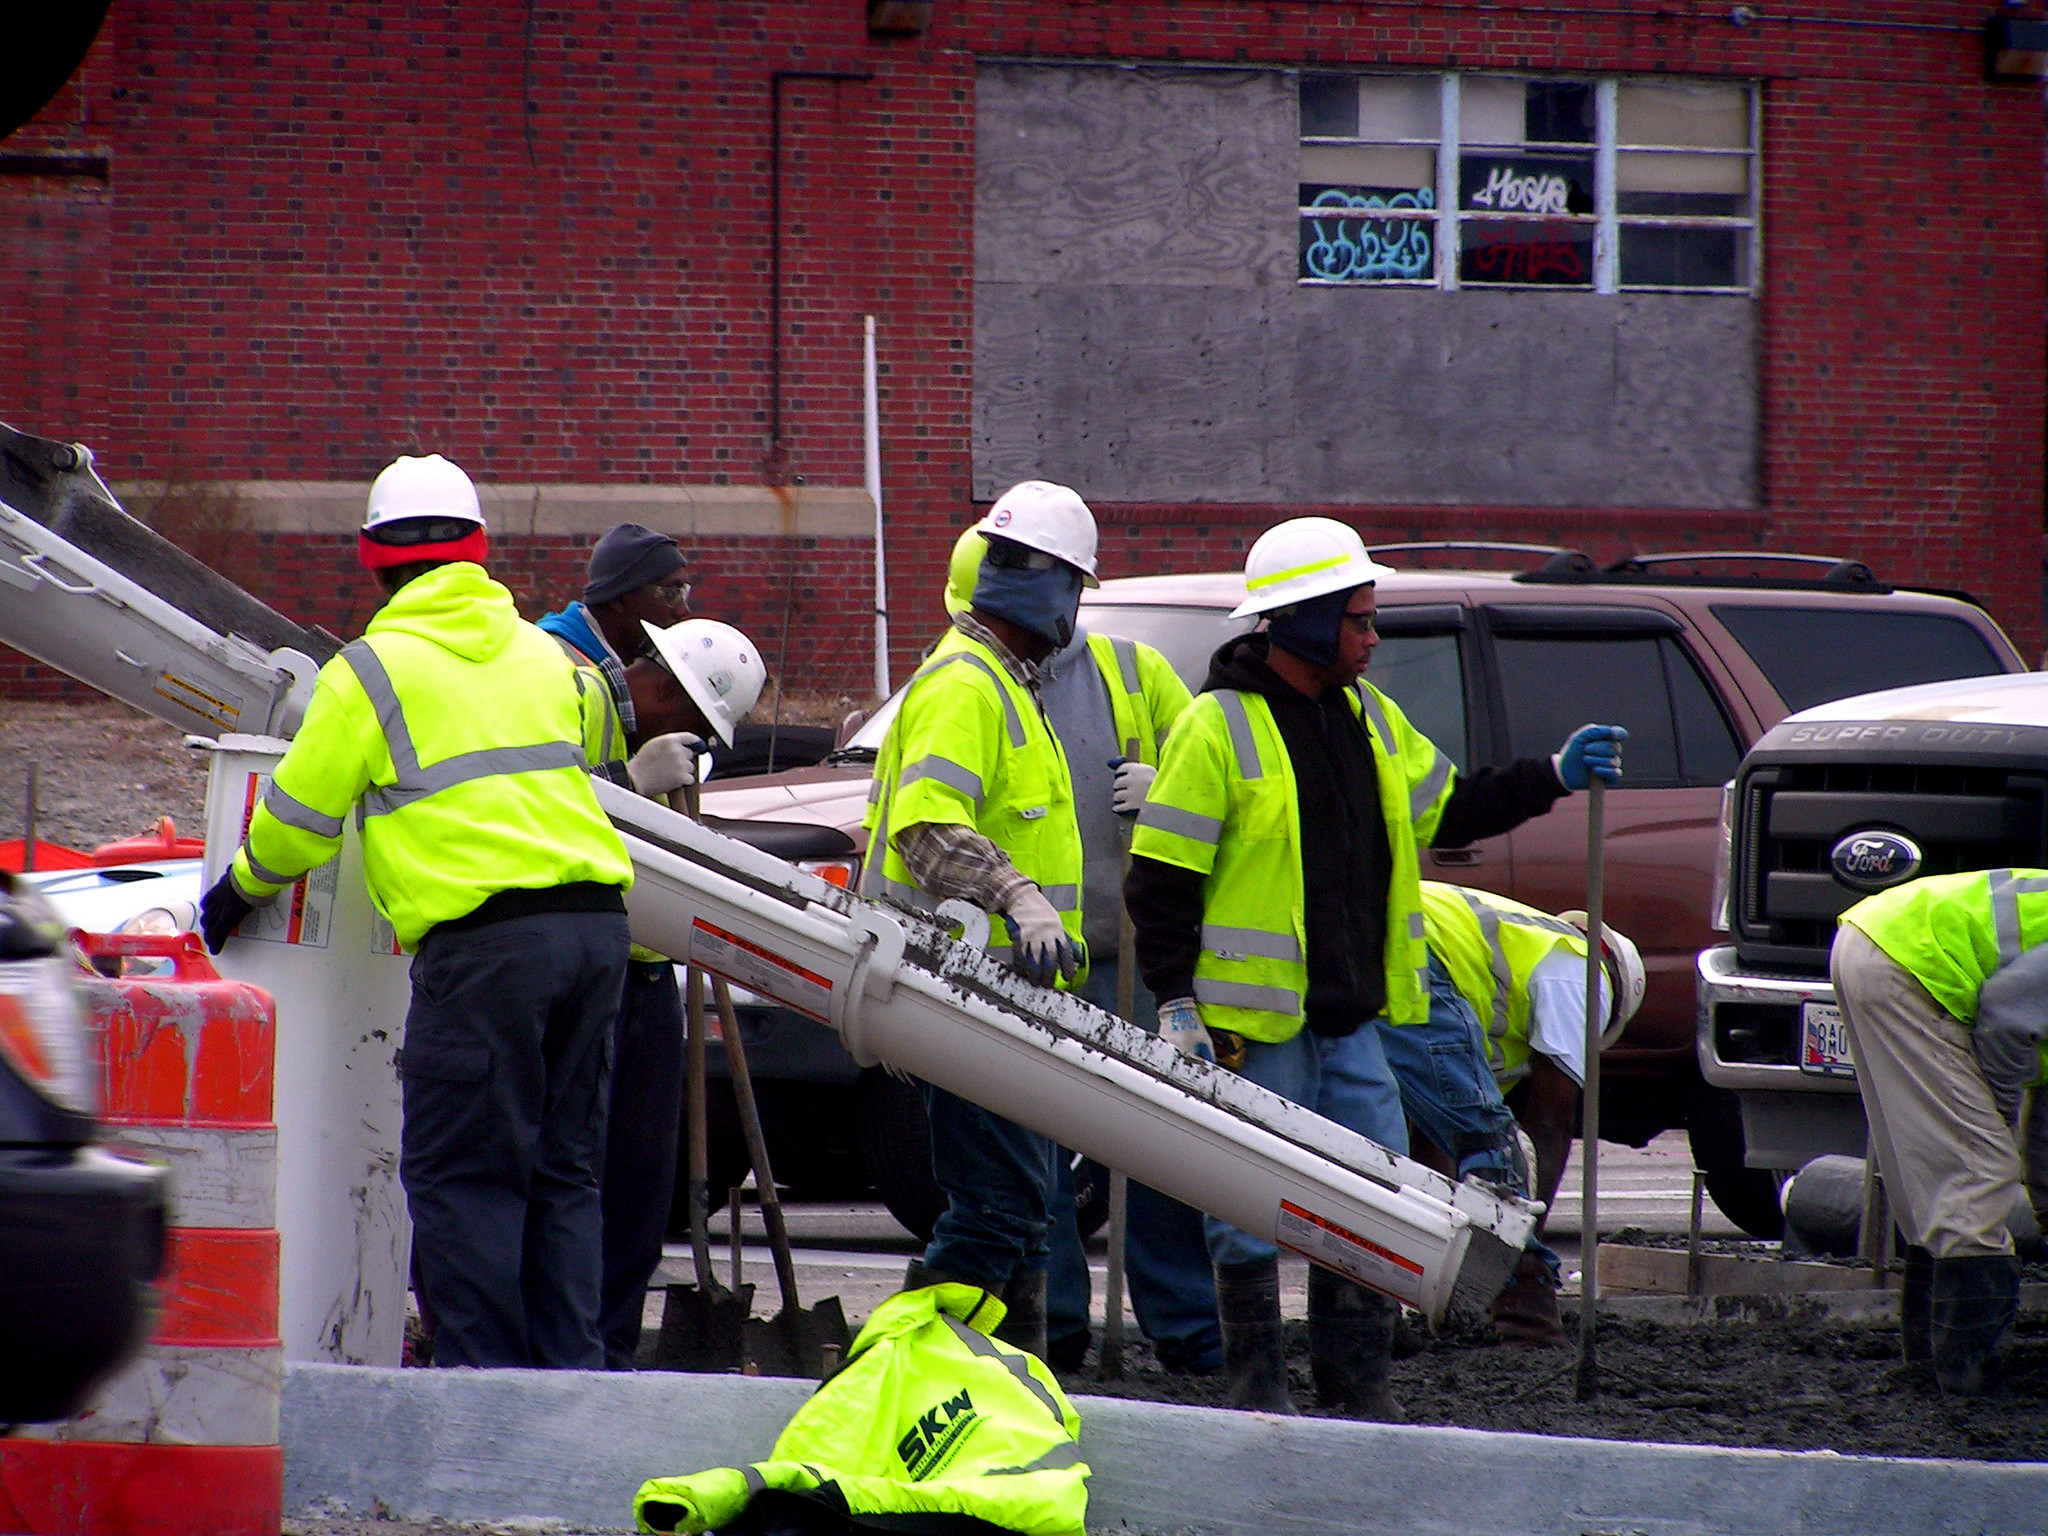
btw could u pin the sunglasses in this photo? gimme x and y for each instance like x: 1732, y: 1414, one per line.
x: 1364, y: 623
x: 1008, y: 555
x: 409, y: 531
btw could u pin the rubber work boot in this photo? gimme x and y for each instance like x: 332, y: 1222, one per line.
x: 1915, y: 1299
x: 1024, y: 1312
x: 1973, y: 1304
x: 1248, y: 1309
x: 916, y: 1277
x: 1525, y: 1314
x: 1350, y: 1334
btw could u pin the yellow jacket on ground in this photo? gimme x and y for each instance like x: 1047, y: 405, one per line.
x: 929, y: 1415
x: 970, y: 747
x: 461, y: 737
x: 1225, y: 806
x: 1492, y: 945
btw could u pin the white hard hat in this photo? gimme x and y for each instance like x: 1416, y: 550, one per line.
x: 1624, y: 969
x: 717, y: 665
x: 1046, y: 517
x: 1302, y: 558
x: 428, y: 487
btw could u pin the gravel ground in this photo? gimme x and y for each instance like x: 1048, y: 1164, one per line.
x: 103, y: 770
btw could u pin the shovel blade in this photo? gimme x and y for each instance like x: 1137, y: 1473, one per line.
x: 800, y: 1341
x: 703, y: 1330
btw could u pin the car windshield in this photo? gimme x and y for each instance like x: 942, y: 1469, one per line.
x: 1816, y: 655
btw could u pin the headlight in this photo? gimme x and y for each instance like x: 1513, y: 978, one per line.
x: 155, y: 920
x: 1724, y: 862
x: 43, y: 1033
x: 839, y: 872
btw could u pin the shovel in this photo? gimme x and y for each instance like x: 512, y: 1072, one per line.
x: 1110, y: 1359
x: 797, y: 1341
x: 1588, y: 1374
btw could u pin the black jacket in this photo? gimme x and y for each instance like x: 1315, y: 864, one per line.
x: 1345, y: 857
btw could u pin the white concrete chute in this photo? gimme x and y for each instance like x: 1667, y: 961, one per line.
x: 898, y: 990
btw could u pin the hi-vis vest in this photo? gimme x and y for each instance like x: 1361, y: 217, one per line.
x: 929, y: 1418
x: 1491, y: 946
x: 970, y: 747
x: 467, y: 776
x: 1146, y: 695
x: 1225, y: 806
x: 1953, y: 932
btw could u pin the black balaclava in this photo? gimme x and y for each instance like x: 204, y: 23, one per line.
x: 1309, y: 628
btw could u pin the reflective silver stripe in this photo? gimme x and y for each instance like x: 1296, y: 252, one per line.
x: 1220, y: 939
x: 947, y: 772
x: 488, y: 763
x: 1423, y: 796
x: 294, y: 812
x: 383, y: 698
x: 606, y: 751
x: 1010, y: 714
x: 1378, y: 716
x: 1057, y: 1459
x: 263, y: 871
x: 756, y: 1483
x: 874, y: 791
x: 1538, y: 920
x: 1064, y: 898
x: 1242, y: 994
x: 2006, y: 890
x: 1188, y: 824
x: 1503, y: 978
x: 1127, y: 663
x: 1231, y: 702
x: 981, y: 1344
x: 1416, y: 929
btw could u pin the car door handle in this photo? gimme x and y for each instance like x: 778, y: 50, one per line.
x: 1456, y: 857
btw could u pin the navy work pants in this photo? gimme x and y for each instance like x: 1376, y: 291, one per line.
x: 640, y: 1139
x: 506, y: 1064
x: 998, y: 1180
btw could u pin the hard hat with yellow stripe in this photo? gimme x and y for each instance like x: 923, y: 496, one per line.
x: 1302, y: 558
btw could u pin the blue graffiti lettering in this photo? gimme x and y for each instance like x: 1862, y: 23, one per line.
x: 1351, y: 248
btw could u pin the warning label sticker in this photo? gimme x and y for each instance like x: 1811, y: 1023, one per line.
x: 1322, y: 1241
x: 747, y: 964
x: 305, y: 913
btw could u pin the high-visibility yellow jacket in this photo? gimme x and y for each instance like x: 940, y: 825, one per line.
x: 1955, y: 932
x: 929, y: 1416
x: 970, y: 747
x: 1145, y: 694
x: 1225, y: 806
x: 463, y: 738
x: 1491, y: 945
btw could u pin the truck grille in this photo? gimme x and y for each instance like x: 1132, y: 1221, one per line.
x: 1790, y: 816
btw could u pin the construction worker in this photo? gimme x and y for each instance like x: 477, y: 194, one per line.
x: 1943, y: 983
x: 633, y: 588
x: 973, y: 801
x: 1275, y: 890
x: 462, y: 737
x: 1111, y: 702
x: 1507, y: 1006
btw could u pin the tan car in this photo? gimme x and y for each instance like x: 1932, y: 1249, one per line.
x: 1494, y: 665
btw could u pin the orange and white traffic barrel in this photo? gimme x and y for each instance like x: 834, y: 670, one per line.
x: 184, y: 1440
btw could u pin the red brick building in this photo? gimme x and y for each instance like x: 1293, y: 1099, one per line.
x: 1627, y: 274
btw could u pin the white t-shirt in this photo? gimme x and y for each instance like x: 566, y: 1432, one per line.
x: 1557, y: 1010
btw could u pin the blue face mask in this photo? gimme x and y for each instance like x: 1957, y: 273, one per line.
x: 1044, y: 602
x: 1309, y: 629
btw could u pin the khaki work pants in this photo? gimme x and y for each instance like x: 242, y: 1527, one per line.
x: 1948, y: 1160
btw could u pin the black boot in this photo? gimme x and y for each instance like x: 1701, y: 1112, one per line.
x: 1024, y: 1315
x: 916, y: 1277
x: 1350, y: 1330
x: 1248, y: 1309
x: 1972, y: 1306
x: 1915, y: 1299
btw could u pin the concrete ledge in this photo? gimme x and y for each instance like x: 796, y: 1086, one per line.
x: 571, y: 1447
x: 755, y: 511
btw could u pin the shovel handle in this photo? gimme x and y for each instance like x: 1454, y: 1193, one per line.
x: 1588, y: 1383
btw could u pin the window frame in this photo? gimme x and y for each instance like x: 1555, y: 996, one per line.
x: 1447, y: 219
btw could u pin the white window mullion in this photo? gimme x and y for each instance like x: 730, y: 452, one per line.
x: 1447, y: 232
x: 1607, y: 234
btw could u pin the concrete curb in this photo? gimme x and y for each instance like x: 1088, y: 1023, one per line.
x: 569, y: 1448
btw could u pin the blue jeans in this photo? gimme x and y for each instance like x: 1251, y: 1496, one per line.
x: 998, y: 1180
x: 1166, y: 1261
x: 1345, y: 1079
x: 1448, y: 1089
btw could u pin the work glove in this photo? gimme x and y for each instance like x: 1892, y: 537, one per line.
x: 665, y: 764
x: 1591, y: 749
x: 1180, y: 1026
x: 1130, y: 785
x: 1040, y: 946
x: 221, y: 911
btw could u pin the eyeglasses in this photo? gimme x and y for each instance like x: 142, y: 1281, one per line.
x: 674, y: 593
x: 1364, y: 623
x: 1009, y: 555
x: 403, y: 533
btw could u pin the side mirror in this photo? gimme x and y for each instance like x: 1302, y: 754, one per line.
x: 849, y: 726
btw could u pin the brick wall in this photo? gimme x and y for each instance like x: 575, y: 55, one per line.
x: 538, y: 241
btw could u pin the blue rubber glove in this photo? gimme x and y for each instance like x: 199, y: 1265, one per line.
x: 1180, y: 1025
x: 1592, y: 749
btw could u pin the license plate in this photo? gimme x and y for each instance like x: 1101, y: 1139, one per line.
x: 1824, y: 1041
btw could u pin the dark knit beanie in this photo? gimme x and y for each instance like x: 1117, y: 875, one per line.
x: 628, y: 558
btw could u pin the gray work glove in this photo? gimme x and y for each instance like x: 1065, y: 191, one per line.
x: 1180, y: 1026
x: 1130, y: 784
x: 665, y: 764
x: 1040, y: 948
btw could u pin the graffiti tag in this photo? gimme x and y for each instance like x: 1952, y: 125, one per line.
x: 1353, y: 248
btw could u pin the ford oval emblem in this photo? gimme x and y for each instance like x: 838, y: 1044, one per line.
x: 1871, y: 860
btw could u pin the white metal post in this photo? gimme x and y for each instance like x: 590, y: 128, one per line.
x: 874, y: 457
